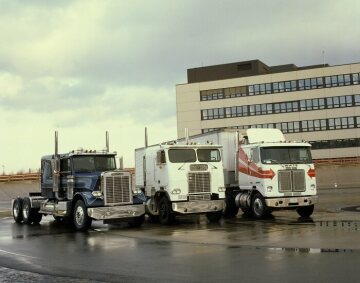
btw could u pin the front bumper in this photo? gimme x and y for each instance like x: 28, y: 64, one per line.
x: 291, y: 201
x: 116, y: 212
x: 193, y: 207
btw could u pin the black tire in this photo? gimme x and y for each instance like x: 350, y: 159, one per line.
x: 258, y: 206
x: 153, y: 218
x: 231, y: 209
x: 137, y: 221
x: 17, y: 210
x: 27, y: 212
x: 214, y: 216
x: 305, y: 211
x: 58, y: 219
x: 82, y: 221
x: 37, y: 217
x: 166, y: 215
x: 247, y: 211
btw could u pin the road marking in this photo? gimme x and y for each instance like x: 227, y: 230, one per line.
x: 10, y: 253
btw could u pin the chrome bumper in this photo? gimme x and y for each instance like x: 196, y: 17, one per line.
x: 291, y: 201
x: 116, y: 212
x: 203, y: 206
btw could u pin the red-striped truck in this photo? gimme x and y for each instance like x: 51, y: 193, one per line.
x: 264, y: 172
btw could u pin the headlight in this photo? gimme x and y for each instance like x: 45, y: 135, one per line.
x: 221, y: 189
x: 97, y: 194
x: 176, y: 191
x: 269, y: 188
x: 137, y: 191
x: 312, y: 187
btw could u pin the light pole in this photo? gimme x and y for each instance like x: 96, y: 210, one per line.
x: 3, y: 166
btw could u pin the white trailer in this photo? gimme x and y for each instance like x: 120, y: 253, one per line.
x: 263, y: 172
x: 181, y: 179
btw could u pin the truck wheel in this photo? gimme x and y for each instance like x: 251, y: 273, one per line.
x: 82, y: 221
x: 214, y: 216
x: 153, y: 218
x: 230, y: 210
x: 246, y: 211
x: 166, y: 215
x: 258, y: 206
x: 27, y: 212
x: 37, y: 217
x: 17, y: 210
x: 305, y: 211
x: 137, y: 221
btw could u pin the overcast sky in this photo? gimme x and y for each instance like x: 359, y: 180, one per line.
x: 84, y: 67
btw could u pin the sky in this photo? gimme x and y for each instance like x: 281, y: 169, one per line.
x: 87, y: 67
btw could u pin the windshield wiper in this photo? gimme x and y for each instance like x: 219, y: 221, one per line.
x: 208, y: 162
x: 182, y: 165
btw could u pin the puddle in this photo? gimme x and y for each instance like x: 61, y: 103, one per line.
x: 345, y: 225
x: 311, y: 250
x: 351, y: 208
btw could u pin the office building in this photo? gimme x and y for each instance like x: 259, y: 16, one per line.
x: 319, y: 103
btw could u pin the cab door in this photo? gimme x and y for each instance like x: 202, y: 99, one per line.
x: 161, y: 169
x: 47, y: 179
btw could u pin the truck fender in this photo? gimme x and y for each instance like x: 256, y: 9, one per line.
x: 159, y: 195
x: 79, y: 196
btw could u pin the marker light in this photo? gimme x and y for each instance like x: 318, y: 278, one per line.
x: 97, y: 194
x: 176, y: 191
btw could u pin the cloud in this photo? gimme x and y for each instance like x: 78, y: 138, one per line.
x: 84, y: 67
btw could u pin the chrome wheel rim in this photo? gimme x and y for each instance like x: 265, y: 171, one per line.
x: 79, y: 215
x: 258, y: 206
x: 26, y: 210
x: 16, y: 209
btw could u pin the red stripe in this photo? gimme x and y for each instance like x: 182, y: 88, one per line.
x: 250, y: 168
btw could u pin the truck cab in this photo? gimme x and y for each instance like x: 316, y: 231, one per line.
x: 181, y: 179
x: 275, y: 174
x: 81, y: 186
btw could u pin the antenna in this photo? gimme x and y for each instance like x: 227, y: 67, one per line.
x: 107, y: 141
x: 56, y: 143
x: 323, y: 57
x: 146, y: 138
x: 186, y: 135
x: 121, y: 163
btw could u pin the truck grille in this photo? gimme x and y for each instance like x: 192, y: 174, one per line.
x: 200, y: 197
x: 291, y: 180
x: 198, y: 167
x: 117, y: 189
x: 199, y: 182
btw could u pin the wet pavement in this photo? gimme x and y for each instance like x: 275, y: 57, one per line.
x: 283, y: 248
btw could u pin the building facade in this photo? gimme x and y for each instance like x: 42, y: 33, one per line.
x: 319, y: 104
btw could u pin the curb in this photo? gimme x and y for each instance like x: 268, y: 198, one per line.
x: 5, y: 213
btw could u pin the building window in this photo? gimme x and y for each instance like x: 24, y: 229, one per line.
x: 268, y: 88
x: 327, y: 81
x: 204, y: 114
x: 355, y: 79
x: 307, y: 125
x: 301, y: 84
x: 251, y: 90
x: 357, y: 99
x: 276, y: 87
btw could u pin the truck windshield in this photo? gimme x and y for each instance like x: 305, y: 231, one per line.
x: 208, y: 155
x: 182, y: 155
x: 285, y: 155
x: 90, y: 163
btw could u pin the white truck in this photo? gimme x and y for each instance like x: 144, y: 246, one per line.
x: 263, y: 172
x: 181, y: 179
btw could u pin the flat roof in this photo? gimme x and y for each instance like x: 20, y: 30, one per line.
x: 241, y: 69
